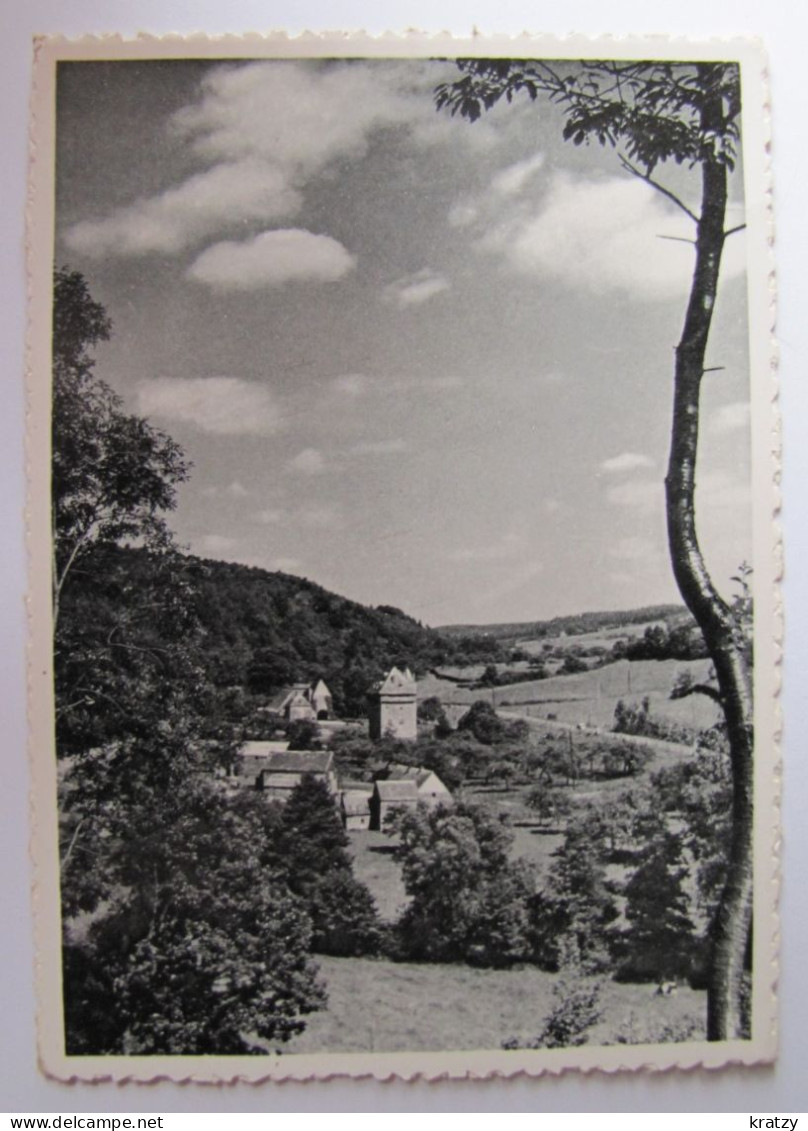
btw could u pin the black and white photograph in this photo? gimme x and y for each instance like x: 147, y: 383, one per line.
x: 401, y: 433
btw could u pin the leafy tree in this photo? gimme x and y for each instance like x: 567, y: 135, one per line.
x: 658, y: 944
x: 113, y: 474
x: 483, y: 722
x: 549, y: 803
x: 468, y: 900
x: 575, y: 912
x: 652, y: 113
x: 318, y: 868
x: 202, y: 949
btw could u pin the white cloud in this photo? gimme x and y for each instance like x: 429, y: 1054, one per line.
x: 318, y: 517
x: 352, y: 384
x: 235, y: 490
x: 603, y: 235
x: 380, y: 447
x: 271, y: 259
x: 511, y: 545
x: 511, y: 180
x: 261, y: 131
x: 552, y: 506
x: 412, y: 290
x: 224, y: 406
x: 731, y: 417
x: 270, y: 516
x: 216, y: 544
x: 626, y: 461
x: 310, y: 461
x: 248, y: 190
x: 644, y: 494
x: 634, y: 549
x: 463, y: 213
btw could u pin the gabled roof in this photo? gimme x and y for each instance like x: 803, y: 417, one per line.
x: 299, y: 762
x: 396, y: 790
x: 262, y: 747
x: 396, y: 682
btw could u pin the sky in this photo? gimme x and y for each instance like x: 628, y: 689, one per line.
x: 422, y: 362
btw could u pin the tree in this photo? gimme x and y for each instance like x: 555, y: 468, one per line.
x: 483, y: 722
x: 318, y: 868
x: 201, y: 949
x: 113, y: 474
x: 652, y: 113
x: 468, y: 900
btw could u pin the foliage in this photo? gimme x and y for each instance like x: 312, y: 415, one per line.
x: 658, y: 943
x: 576, y: 909
x: 314, y: 848
x: 629, y: 718
x: 576, y: 1008
x: 468, y: 901
x: 113, y: 474
x: 201, y: 948
x: 575, y: 624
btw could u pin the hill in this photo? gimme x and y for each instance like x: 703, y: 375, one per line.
x: 574, y: 624
x: 263, y: 631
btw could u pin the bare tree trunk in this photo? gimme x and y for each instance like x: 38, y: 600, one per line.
x: 731, y: 930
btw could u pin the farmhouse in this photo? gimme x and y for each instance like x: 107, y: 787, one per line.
x: 388, y: 796
x: 286, y: 769
x: 392, y: 706
x: 306, y: 701
x: 253, y: 757
x: 355, y: 809
x: 431, y: 790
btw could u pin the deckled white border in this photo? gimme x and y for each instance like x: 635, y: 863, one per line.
x: 768, y: 555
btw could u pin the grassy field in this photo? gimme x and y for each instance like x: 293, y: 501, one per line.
x: 381, y: 1006
x: 589, y: 698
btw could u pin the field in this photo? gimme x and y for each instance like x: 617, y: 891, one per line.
x: 375, y: 1005
x: 589, y: 698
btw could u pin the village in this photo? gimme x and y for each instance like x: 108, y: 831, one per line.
x: 271, y: 767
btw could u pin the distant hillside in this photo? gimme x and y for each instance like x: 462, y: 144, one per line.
x: 573, y: 625
x: 265, y: 630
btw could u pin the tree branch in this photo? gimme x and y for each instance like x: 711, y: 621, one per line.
x: 627, y: 165
x: 732, y: 231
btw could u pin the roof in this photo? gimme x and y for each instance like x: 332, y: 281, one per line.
x: 396, y: 790
x: 396, y: 683
x: 299, y: 762
x: 262, y: 747
x: 355, y: 802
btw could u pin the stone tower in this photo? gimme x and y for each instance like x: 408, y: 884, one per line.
x: 392, y: 706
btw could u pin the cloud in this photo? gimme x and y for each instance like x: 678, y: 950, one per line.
x: 379, y: 447
x: 352, y: 384
x: 260, y: 132
x: 644, y: 494
x: 731, y: 417
x: 634, y: 549
x: 223, y: 406
x: 463, y: 213
x: 511, y: 545
x: 626, y: 461
x: 235, y: 490
x: 603, y: 235
x: 247, y: 190
x: 269, y: 517
x: 318, y: 517
x: 216, y: 544
x: 310, y: 461
x: 271, y: 259
x: 415, y: 289
x: 511, y: 180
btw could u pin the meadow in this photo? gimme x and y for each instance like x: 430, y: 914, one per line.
x: 375, y: 1005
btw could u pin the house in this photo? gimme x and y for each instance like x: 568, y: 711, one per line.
x: 306, y: 701
x: 355, y: 809
x: 431, y: 790
x: 388, y: 796
x: 251, y: 759
x: 284, y: 770
x: 392, y: 706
